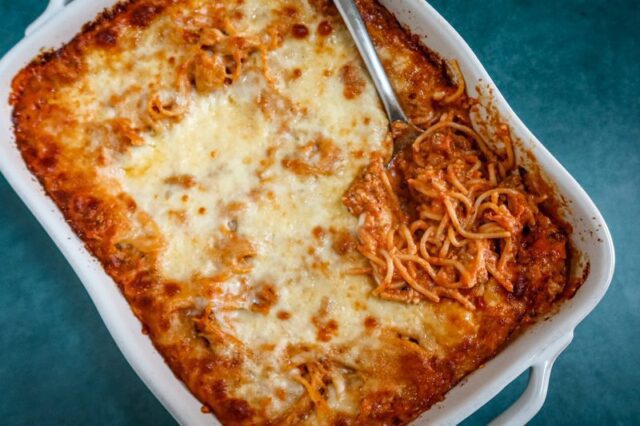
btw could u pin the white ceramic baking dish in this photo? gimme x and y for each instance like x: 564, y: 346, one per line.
x: 537, y: 348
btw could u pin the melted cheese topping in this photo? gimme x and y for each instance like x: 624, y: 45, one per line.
x: 224, y: 167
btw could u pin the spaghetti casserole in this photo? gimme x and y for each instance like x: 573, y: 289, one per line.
x: 224, y: 160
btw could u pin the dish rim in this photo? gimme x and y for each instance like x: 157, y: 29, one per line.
x: 537, y: 346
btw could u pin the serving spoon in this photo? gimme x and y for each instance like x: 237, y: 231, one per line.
x: 403, y: 131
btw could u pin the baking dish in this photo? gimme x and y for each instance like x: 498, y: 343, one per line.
x: 536, y: 349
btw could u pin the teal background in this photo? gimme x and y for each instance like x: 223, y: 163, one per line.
x: 570, y: 69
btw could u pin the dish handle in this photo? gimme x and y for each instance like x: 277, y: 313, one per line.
x: 52, y: 9
x: 531, y: 401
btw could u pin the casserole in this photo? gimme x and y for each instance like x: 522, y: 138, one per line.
x: 469, y: 78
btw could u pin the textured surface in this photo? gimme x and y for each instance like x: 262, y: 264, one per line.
x: 569, y: 70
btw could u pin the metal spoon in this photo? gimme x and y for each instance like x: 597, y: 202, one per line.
x: 403, y: 131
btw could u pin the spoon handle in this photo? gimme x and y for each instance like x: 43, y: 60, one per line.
x: 357, y: 28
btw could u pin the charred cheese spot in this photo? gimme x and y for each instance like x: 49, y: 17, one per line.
x: 326, y: 327
x: 142, y: 15
x: 172, y: 289
x: 296, y: 73
x: 324, y: 28
x: 344, y: 242
x: 106, y: 38
x: 354, y: 82
x: 265, y: 297
x: 283, y: 315
x: 300, y: 31
x: 318, y: 232
x: 184, y: 181
x: 370, y: 322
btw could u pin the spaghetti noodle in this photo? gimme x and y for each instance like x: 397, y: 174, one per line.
x: 451, y: 213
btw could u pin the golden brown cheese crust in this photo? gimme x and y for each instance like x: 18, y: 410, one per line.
x: 394, y: 385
